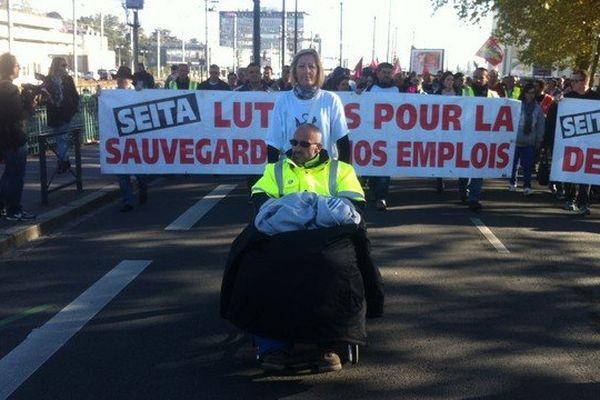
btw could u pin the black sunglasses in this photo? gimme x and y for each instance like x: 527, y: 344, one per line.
x: 301, y: 143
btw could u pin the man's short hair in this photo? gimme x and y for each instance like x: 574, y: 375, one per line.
x: 231, y: 74
x: 214, y: 66
x: 384, y: 65
x: 174, y: 67
x: 252, y: 64
x: 541, y: 82
x: 7, y: 64
x: 583, y: 73
x: 268, y: 67
x: 312, y: 128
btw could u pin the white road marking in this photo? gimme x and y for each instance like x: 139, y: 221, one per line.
x: 18, y: 365
x: 186, y: 220
x: 489, y: 235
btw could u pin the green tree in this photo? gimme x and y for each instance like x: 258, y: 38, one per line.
x: 554, y: 33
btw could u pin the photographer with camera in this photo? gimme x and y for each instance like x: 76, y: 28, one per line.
x: 62, y: 103
x: 14, y: 110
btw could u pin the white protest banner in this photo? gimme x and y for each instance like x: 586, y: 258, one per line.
x: 213, y: 132
x: 576, y: 155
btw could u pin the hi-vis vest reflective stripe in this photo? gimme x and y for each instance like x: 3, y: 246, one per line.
x: 324, y: 183
x: 192, y: 86
x: 468, y: 91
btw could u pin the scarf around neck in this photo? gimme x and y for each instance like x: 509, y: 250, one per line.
x: 305, y: 94
x: 528, y: 110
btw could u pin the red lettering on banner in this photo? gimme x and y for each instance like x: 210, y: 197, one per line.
x: 240, y: 151
x: 451, y: 116
x: 424, y: 156
x: 403, y: 154
x: 258, y: 151
x: 479, y: 124
x: 412, y: 116
x: 237, y: 115
x: 354, y: 117
x: 150, y: 157
x: 362, y: 153
x: 573, y: 159
x: 460, y: 160
x: 431, y: 124
x: 131, y: 152
x: 592, y: 161
x: 203, y: 158
x: 383, y: 113
x: 219, y: 121
x: 113, y: 151
x: 222, y: 152
x: 479, y: 155
x: 446, y: 153
x: 492, y: 159
x: 264, y: 109
x: 169, y: 151
x: 379, y: 154
x: 186, y: 151
x: 503, y: 155
x: 504, y: 119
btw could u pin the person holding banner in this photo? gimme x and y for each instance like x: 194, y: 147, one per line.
x: 473, y: 185
x: 308, y: 103
x: 125, y: 81
x: 529, y: 138
x: 577, y: 195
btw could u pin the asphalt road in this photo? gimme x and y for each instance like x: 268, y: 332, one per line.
x: 469, y: 315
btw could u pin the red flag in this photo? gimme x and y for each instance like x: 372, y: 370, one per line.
x: 373, y: 65
x: 358, y: 69
x: 491, y: 51
x: 397, y: 67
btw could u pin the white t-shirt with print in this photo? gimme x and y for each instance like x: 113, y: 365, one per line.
x: 325, y: 110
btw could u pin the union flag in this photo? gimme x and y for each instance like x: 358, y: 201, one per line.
x: 491, y: 51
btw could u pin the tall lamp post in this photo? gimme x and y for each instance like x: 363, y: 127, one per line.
x: 256, y: 33
x: 135, y: 5
x: 9, y: 21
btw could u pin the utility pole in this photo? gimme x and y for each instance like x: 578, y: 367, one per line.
x: 101, y: 40
x: 256, y: 33
x: 295, y: 27
x: 283, y: 34
x: 9, y: 21
x: 182, y: 48
x: 341, y: 31
x: 206, y: 62
x: 374, y: 30
x: 235, y: 57
x: 136, y: 27
x: 387, y: 53
x: 75, y: 68
x: 158, y: 71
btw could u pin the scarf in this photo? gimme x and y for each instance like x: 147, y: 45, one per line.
x: 305, y: 94
x: 56, y: 92
x: 528, y: 110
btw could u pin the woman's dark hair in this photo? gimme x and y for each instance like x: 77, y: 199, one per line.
x: 442, y: 79
x: 7, y: 65
x: 526, y: 88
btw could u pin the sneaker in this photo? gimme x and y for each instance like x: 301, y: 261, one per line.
x: 583, y: 210
x: 527, y: 191
x: 381, y: 205
x: 512, y: 188
x: 275, y: 361
x: 126, y: 208
x: 329, y: 362
x: 475, y: 206
x: 570, y: 206
x: 20, y: 216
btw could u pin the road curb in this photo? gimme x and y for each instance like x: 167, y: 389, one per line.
x: 18, y: 235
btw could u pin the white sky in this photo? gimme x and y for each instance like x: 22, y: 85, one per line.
x: 413, y: 18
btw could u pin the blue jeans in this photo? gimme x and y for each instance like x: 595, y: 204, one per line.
x: 127, y: 189
x: 62, y: 141
x: 266, y: 345
x: 524, y: 155
x: 13, y: 179
x: 473, y: 184
x: 379, y: 186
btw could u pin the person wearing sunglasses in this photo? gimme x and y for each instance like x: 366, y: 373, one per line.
x: 62, y: 103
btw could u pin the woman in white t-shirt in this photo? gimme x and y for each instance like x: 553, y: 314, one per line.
x: 308, y: 103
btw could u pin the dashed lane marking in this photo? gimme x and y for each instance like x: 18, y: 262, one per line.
x: 18, y: 365
x: 189, y: 218
x: 489, y: 235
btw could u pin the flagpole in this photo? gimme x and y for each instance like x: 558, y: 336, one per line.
x: 374, y: 29
x: 387, y: 53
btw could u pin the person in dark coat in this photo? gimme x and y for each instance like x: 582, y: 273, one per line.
x: 14, y: 110
x: 214, y: 82
x: 142, y: 79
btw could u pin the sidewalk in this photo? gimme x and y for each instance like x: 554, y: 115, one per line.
x: 63, y: 205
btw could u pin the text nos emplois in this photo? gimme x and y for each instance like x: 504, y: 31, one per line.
x: 159, y: 114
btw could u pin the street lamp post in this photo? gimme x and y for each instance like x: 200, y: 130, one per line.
x: 9, y: 21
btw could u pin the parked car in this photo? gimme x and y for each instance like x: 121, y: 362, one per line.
x: 90, y: 75
x: 104, y: 75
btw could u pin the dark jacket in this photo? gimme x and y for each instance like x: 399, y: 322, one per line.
x: 309, y: 286
x: 143, y: 80
x: 62, y: 113
x: 13, y: 113
x: 220, y: 85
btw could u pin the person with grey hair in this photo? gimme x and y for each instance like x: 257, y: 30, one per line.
x: 307, y: 103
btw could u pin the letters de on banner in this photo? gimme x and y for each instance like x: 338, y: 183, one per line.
x: 196, y: 132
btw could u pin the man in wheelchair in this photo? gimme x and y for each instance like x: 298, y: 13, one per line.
x: 302, y: 273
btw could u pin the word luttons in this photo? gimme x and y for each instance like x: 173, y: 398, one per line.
x: 154, y: 115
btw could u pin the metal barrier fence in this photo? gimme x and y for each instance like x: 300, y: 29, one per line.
x: 86, y: 120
